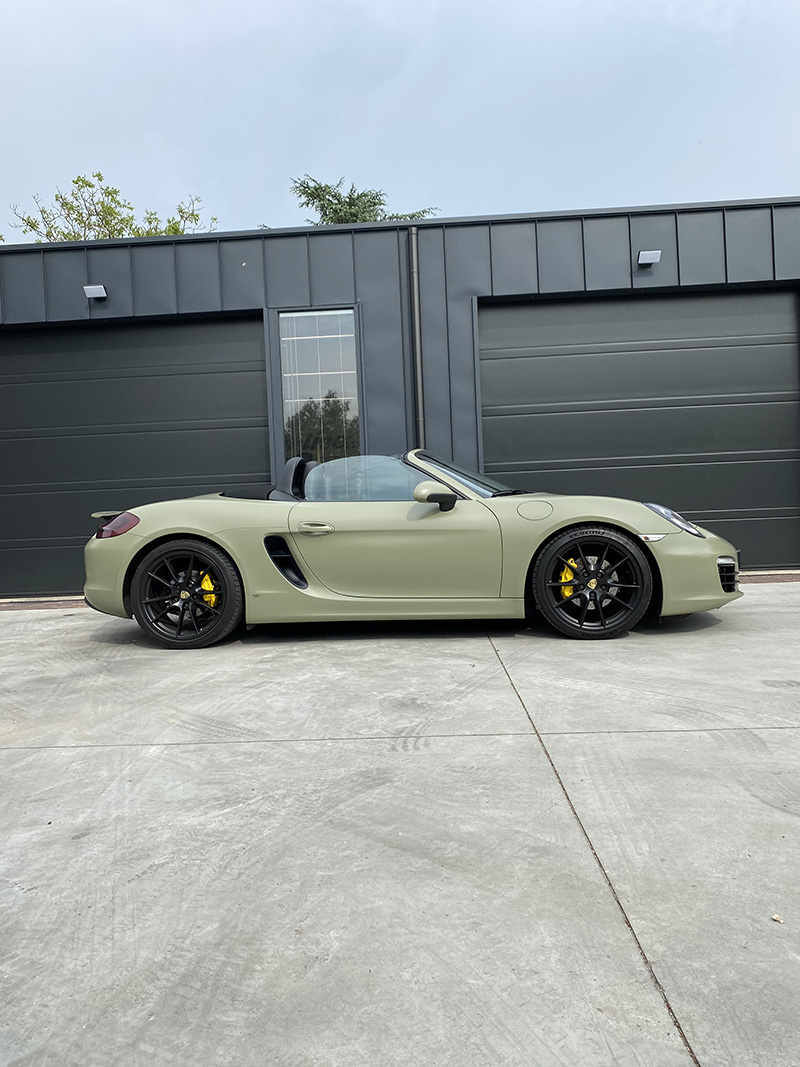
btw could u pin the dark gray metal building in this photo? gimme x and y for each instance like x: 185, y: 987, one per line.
x: 539, y: 349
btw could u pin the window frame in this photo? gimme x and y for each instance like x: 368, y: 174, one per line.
x: 275, y: 376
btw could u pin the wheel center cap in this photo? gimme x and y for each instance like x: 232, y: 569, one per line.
x: 592, y: 583
x: 185, y: 594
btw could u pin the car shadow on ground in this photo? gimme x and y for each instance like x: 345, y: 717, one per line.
x: 412, y: 630
x: 675, y: 625
x: 122, y: 633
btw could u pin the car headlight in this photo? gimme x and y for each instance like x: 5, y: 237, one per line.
x: 675, y: 519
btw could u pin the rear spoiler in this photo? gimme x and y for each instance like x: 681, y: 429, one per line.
x: 107, y: 516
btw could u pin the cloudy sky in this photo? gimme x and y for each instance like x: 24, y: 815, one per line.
x: 475, y: 108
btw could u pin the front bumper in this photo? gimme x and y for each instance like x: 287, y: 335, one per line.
x: 691, y: 576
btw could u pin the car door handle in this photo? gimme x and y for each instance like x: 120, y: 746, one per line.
x: 315, y: 529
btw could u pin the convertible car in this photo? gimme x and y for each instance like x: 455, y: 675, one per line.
x: 390, y: 537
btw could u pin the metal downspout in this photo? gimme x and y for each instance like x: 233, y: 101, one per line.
x: 416, y: 335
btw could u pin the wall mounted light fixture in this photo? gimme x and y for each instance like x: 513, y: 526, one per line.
x: 647, y: 259
x: 95, y: 292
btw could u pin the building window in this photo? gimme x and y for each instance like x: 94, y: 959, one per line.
x: 320, y: 385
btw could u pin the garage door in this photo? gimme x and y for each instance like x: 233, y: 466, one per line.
x: 112, y: 417
x: 691, y: 402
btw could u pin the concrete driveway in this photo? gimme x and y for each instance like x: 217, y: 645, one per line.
x: 382, y: 845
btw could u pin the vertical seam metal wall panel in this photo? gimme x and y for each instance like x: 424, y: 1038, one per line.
x: 199, y: 285
x: 199, y: 240
x: 435, y: 347
x: 747, y: 231
x: 787, y: 242
x: 384, y: 353
x: 65, y: 274
x: 607, y: 254
x: 115, y: 274
x: 467, y: 258
x: 404, y: 274
x: 332, y: 283
x: 510, y: 271
x: 452, y: 450
x: 30, y: 264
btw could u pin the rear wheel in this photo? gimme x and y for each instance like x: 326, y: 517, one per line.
x: 592, y: 582
x: 186, y: 594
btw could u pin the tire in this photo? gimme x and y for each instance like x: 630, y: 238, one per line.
x: 592, y: 583
x: 187, y: 594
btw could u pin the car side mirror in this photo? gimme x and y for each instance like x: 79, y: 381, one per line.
x: 435, y: 493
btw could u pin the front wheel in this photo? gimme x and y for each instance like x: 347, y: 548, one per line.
x: 592, y: 582
x: 186, y: 594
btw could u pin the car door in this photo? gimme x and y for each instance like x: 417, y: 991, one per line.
x: 357, y: 545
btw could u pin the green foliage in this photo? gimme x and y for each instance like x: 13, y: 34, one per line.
x: 322, y: 430
x: 92, y: 210
x: 333, y: 206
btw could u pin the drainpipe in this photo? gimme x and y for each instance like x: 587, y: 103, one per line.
x: 416, y: 335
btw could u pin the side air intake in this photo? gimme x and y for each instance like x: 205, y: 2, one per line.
x: 280, y: 554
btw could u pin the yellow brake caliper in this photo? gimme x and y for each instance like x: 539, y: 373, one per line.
x: 565, y: 576
x: 209, y: 585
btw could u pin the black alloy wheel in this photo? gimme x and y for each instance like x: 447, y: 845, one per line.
x: 592, y: 582
x: 186, y: 594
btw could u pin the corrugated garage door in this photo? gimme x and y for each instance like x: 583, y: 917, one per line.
x: 114, y: 416
x: 691, y: 402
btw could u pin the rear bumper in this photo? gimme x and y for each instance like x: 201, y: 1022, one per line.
x: 105, y: 562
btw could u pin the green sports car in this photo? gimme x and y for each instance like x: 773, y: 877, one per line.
x: 390, y: 537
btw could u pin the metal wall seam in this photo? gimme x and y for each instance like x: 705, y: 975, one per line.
x: 352, y: 265
x: 677, y: 249
x: 361, y: 375
x: 491, y: 265
x: 88, y: 280
x: 44, y: 286
x: 44, y: 283
x: 447, y: 335
x: 477, y: 362
x: 538, y: 264
x: 264, y: 276
x: 416, y: 338
x: 407, y: 333
x: 308, y: 272
x: 133, y: 280
x: 219, y: 276
x: 536, y: 242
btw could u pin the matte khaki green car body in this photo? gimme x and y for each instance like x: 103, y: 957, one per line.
x: 403, y: 559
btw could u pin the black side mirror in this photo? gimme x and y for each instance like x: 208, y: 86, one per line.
x: 435, y: 493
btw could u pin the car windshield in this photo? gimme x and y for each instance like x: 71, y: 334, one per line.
x: 478, y: 483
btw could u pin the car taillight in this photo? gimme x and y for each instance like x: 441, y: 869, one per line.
x: 118, y: 525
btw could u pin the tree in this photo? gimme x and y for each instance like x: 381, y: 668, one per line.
x: 92, y: 209
x: 322, y: 429
x: 334, y: 206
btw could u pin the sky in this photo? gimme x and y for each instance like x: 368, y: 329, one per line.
x: 475, y: 108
